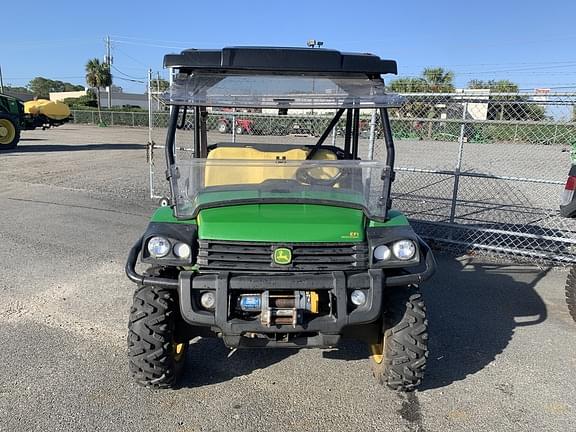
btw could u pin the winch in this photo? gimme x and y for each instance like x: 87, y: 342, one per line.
x: 280, y: 308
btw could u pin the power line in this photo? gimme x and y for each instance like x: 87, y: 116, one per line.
x: 129, y: 56
x: 151, y: 45
x: 125, y: 74
x: 129, y: 79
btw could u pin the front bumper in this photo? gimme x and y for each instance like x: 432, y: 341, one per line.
x: 322, y: 331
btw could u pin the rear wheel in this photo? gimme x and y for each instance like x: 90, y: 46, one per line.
x: 399, y: 357
x: 239, y: 130
x: 9, y: 132
x: 155, y: 352
x: 222, y: 127
x: 571, y: 292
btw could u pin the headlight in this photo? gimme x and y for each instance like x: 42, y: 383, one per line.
x: 182, y: 250
x: 404, y: 250
x: 158, y: 247
x: 382, y: 253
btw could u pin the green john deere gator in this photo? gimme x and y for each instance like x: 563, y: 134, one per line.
x: 279, y: 242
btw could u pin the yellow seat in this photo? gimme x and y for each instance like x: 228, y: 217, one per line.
x: 218, y: 175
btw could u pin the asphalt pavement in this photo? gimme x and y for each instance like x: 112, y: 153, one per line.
x: 72, y: 202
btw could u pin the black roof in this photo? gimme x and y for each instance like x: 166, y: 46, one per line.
x: 277, y: 59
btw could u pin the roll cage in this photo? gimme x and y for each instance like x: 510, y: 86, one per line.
x: 290, y: 62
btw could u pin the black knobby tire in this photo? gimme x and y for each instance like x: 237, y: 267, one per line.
x: 152, y: 337
x: 571, y: 292
x: 10, y: 124
x: 404, y: 341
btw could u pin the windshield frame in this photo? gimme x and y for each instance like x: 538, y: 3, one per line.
x: 270, y: 191
x: 351, y: 143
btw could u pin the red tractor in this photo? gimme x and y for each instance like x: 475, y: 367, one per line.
x: 242, y: 126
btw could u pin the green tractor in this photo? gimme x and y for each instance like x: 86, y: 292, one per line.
x: 279, y: 244
x: 16, y: 116
x: 11, y: 121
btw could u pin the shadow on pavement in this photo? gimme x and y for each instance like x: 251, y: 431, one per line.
x: 47, y: 148
x: 473, y: 309
x: 207, y: 362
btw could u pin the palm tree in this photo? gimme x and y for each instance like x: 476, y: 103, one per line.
x: 439, y: 80
x: 97, y: 76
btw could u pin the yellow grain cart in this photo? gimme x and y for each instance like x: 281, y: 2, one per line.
x: 47, y: 113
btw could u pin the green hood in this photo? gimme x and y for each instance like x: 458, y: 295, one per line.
x: 282, y: 223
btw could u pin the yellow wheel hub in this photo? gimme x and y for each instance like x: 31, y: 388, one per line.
x: 377, y: 352
x: 178, y: 350
x: 7, y: 131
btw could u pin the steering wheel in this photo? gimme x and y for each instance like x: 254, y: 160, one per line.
x: 316, y: 175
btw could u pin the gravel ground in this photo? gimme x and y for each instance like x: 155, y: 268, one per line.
x: 503, y: 347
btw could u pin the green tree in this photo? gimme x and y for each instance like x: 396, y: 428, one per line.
x: 408, y: 85
x: 508, y: 107
x: 19, y: 89
x: 41, y: 87
x: 160, y: 85
x: 438, y: 80
x: 432, y: 80
x: 499, y: 86
x: 97, y: 76
x: 88, y: 100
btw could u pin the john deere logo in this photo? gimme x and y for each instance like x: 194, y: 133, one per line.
x: 282, y: 256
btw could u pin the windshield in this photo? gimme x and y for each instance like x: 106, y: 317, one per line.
x: 281, y: 91
x: 205, y: 183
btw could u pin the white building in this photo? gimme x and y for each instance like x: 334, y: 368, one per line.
x: 119, y: 99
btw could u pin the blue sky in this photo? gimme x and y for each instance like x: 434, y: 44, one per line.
x: 531, y: 45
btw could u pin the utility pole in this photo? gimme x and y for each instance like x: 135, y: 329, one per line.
x: 1, y: 81
x: 108, y: 61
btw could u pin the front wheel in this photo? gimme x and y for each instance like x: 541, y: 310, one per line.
x: 399, y: 357
x: 571, y: 292
x: 156, y: 355
x: 9, y: 132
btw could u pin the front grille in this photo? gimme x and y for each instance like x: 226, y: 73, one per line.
x: 244, y: 256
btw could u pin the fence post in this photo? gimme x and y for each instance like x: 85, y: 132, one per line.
x: 233, y: 125
x: 93, y: 122
x: 150, y: 146
x: 334, y: 132
x: 555, y: 132
x: 150, y: 107
x: 458, y: 164
x: 111, y: 118
x: 372, y: 136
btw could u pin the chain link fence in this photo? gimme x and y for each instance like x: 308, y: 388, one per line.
x: 112, y: 118
x: 476, y: 171
x: 484, y: 172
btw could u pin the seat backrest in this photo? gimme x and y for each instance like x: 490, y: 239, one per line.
x: 217, y: 176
